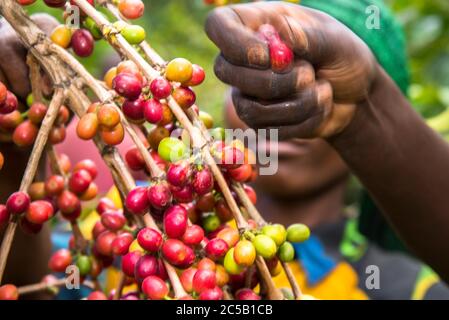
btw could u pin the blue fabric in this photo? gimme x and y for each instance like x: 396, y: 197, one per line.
x: 313, y: 259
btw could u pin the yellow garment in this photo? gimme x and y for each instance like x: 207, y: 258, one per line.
x: 340, y: 284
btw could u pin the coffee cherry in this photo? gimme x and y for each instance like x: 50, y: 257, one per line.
x: 160, y: 88
x: 193, y: 235
x: 265, y: 246
x: 211, y: 223
x: 39, y: 211
x: 242, y: 173
x: 9, y: 292
x: 103, y: 243
x: 167, y: 115
x: 203, y: 181
x: 222, y: 277
x: 134, y: 34
x: 230, y: 264
x: 121, y: 243
x: 155, y: 288
x: 25, y: 2
x: 216, y: 249
x: 159, y: 195
x: 37, y: 112
x: 207, y: 264
x: 134, y: 110
x: 18, y: 202
x: 97, y: 295
x: 109, y: 77
x: 104, y: 205
x: 89, y: 165
x: 87, y: 127
x: 54, y: 185
x: 184, y: 96
x: 178, y: 174
x: 93, y: 28
x: 145, y: 266
x: 137, y: 201
x: 244, y: 253
x: 55, y: 3
x: 175, y: 221
x: 206, y: 202
x: 2, y: 160
x: 150, y: 239
x: 246, y: 294
x: 203, y: 280
x: 25, y: 134
x: 152, y: 111
x: 84, y: 265
x: 4, y: 215
x: 183, y: 194
x: 207, y: 119
x: 230, y: 235
x: 113, y: 220
x: 90, y: 193
x: 172, y: 149
x: 113, y: 137
x: 62, y: 36
x: 82, y: 43
x: 108, y: 116
x: 186, y: 279
x: 281, y: 55
x: 69, y: 205
x: 63, y: 116
x: 286, y: 252
x: 57, y: 135
x: 134, y: 159
x: 231, y: 157
x: 79, y: 181
x: 131, y: 9
x: 129, y: 262
x: 298, y: 233
x: 128, y: 66
x: 197, y: 78
x: 127, y: 85
x: 251, y: 193
x: 10, y: 121
x: 174, y: 251
x: 3, y: 93
x: 212, y: 294
x: 60, y: 260
x: 179, y: 70
x: 276, y: 232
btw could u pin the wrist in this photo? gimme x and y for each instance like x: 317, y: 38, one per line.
x: 375, y: 114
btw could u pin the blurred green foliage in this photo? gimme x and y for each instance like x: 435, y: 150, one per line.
x: 426, y: 24
x: 175, y: 29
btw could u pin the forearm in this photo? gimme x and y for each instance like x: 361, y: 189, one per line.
x: 405, y: 167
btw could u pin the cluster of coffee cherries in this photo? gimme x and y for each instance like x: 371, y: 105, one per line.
x: 22, y: 128
x: 58, y: 193
x: 142, y: 101
x: 82, y: 40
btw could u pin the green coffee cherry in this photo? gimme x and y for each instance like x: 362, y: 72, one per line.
x: 265, y: 246
x: 276, y: 232
x: 298, y: 232
x: 286, y: 252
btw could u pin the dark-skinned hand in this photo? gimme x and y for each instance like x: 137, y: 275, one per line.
x: 13, y: 67
x: 333, y: 68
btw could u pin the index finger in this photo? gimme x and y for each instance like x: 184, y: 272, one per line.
x: 239, y: 44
